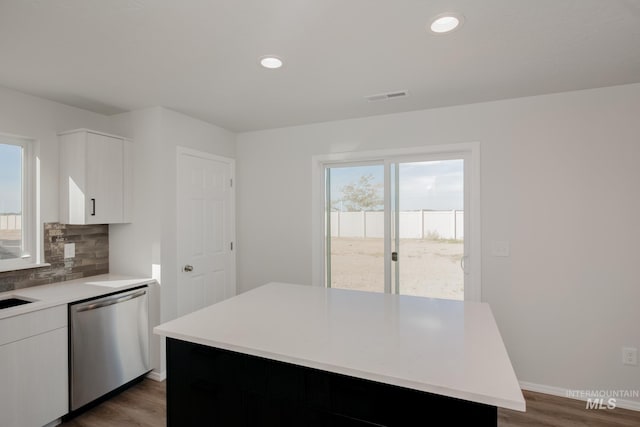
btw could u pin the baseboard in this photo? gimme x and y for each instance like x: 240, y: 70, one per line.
x: 157, y: 376
x: 562, y: 392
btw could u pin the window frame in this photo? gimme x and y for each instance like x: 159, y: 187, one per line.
x: 469, y: 150
x: 30, y: 258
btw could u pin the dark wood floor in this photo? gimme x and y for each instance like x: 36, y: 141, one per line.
x: 141, y: 405
x: 544, y: 410
x: 144, y: 405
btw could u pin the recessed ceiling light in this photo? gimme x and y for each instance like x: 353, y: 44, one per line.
x: 446, y: 22
x: 271, y: 62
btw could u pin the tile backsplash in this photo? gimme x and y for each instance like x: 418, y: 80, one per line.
x: 91, y: 256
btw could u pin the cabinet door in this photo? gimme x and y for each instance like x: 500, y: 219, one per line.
x: 104, y: 169
x: 33, y: 380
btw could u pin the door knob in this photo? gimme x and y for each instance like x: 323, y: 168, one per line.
x: 187, y: 268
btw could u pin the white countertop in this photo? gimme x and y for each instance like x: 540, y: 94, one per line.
x: 439, y: 346
x: 45, y: 296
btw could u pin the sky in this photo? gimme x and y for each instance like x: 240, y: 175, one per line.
x: 434, y: 185
x: 10, y: 178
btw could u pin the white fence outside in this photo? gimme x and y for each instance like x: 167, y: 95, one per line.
x: 413, y: 224
x: 10, y: 222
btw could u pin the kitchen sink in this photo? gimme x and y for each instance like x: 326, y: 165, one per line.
x: 12, y: 302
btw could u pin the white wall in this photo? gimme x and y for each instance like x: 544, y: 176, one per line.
x: 566, y: 300
x: 41, y: 120
x: 147, y: 246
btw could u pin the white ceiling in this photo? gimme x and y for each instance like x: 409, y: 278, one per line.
x: 200, y: 57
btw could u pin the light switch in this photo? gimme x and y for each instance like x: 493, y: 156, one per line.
x: 69, y: 250
x: 500, y: 248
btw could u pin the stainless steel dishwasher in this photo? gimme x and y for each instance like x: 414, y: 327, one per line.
x: 109, y: 344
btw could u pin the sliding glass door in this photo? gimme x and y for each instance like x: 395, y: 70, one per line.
x: 397, y: 226
x: 355, y: 227
x: 428, y: 228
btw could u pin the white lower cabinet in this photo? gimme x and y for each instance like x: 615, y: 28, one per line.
x: 34, y: 368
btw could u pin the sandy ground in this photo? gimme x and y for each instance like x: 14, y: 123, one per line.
x: 428, y: 268
x: 10, y: 234
x: 10, y: 239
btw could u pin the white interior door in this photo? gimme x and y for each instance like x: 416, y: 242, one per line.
x: 205, y: 214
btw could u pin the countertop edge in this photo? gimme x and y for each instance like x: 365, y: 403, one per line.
x: 441, y: 390
x: 70, y: 297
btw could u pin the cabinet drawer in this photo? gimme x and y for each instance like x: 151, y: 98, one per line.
x: 30, y: 324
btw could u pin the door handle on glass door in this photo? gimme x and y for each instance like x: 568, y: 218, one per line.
x: 394, y: 256
x: 187, y: 268
x: 462, y: 263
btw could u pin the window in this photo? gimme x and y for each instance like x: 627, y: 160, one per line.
x: 399, y: 221
x: 16, y: 231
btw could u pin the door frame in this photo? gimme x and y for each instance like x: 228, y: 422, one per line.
x: 471, y: 151
x: 180, y: 150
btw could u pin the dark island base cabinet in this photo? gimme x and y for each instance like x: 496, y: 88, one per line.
x: 207, y: 386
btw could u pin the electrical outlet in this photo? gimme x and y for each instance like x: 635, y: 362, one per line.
x: 69, y: 250
x: 630, y: 356
x: 500, y: 248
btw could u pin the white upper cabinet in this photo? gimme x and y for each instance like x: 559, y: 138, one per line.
x: 95, y: 178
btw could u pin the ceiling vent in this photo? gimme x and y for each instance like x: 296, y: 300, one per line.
x: 386, y: 96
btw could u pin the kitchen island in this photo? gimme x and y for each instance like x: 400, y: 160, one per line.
x: 285, y: 354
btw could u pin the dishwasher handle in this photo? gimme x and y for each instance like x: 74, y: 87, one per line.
x: 113, y: 300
